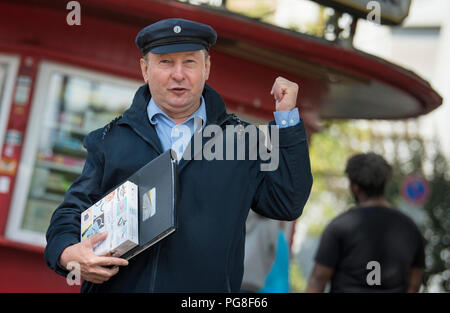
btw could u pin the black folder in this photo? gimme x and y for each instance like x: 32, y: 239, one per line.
x: 157, y: 196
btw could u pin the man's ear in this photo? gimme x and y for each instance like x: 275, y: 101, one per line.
x: 144, y: 68
x: 354, y: 188
x: 355, y: 191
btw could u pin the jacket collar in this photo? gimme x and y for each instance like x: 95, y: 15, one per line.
x: 156, y: 114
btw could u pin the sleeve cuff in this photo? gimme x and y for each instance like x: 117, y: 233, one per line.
x: 287, y: 118
x: 54, y: 250
x: 290, y: 136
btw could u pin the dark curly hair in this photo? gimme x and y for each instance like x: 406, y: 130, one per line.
x: 370, y: 172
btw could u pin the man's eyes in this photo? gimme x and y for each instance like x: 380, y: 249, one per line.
x: 188, y: 61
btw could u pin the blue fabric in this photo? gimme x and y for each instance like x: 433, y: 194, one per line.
x: 287, y: 118
x: 277, y: 280
x: 175, y: 35
x: 165, y: 127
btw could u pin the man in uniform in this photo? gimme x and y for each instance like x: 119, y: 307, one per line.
x: 206, y: 252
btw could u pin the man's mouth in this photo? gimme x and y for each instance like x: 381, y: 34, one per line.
x: 178, y: 90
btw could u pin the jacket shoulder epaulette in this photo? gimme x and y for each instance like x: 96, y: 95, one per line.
x: 236, y: 120
x: 111, y: 124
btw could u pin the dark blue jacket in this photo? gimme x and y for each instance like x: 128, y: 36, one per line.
x: 206, y: 252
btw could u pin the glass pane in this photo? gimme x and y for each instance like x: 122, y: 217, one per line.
x: 74, y: 107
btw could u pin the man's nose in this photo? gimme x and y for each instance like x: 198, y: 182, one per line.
x: 177, y: 73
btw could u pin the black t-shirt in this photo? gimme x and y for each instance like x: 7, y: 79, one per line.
x: 365, y: 234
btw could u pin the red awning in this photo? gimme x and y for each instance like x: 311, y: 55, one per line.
x: 335, y: 82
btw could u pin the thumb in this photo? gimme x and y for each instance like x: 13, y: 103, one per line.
x: 97, y: 238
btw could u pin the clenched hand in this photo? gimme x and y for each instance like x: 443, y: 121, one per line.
x: 285, y: 94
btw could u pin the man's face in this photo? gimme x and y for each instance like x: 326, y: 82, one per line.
x: 176, y: 80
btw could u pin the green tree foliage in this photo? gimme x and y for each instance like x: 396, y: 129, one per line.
x: 297, y: 280
x: 329, y: 151
x: 436, y: 227
x: 437, y: 230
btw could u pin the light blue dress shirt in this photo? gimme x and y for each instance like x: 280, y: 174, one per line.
x: 170, y: 133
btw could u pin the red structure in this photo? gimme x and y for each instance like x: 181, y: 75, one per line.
x: 334, y: 83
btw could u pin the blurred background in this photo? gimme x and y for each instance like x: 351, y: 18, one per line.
x: 369, y: 81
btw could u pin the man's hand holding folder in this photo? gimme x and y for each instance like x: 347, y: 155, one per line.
x: 93, y: 268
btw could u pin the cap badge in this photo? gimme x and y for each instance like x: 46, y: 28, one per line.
x: 177, y: 29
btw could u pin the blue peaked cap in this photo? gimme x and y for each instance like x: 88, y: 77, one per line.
x: 175, y: 35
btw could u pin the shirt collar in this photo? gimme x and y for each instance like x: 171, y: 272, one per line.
x: 154, y: 113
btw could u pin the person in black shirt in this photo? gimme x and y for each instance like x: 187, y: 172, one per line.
x: 372, y: 247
